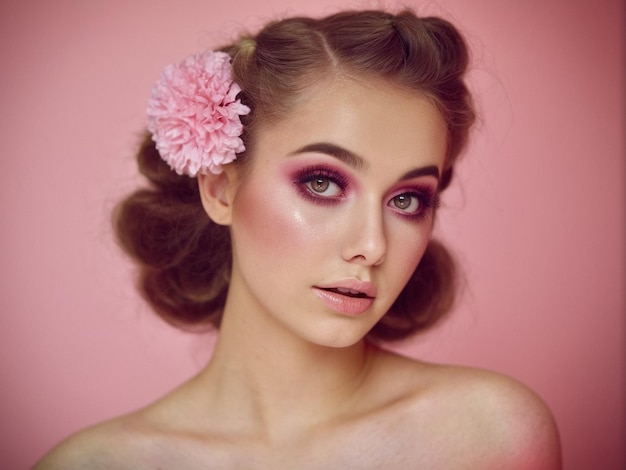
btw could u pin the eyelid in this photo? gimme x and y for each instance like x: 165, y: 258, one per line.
x: 427, y: 195
x: 317, y: 171
x: 304, y: 176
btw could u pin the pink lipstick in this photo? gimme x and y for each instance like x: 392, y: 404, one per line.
x: 350, y: 296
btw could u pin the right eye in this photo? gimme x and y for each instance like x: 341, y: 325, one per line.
x: 323, y: 186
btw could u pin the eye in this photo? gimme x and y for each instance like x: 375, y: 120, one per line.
x: 406, y: 202
x: 415, y: 203
x: 324, y: 186
x: 321, y: 184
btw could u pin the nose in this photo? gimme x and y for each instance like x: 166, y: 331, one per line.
x: 365, y: 241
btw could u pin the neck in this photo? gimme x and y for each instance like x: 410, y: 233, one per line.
x: 271, y: 382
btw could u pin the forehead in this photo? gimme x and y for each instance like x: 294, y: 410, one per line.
x: 368, y: 117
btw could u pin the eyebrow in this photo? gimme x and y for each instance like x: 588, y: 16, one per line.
x: 359, y: 163
x: 349, y: 158
x: 430, y: 170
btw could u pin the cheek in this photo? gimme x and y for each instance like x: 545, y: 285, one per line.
x: 268, y: 221
x: 407, y: 249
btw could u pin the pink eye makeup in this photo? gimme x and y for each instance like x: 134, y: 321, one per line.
x: 325, y: 185
x: 321, y: 185
x: 415, y: 203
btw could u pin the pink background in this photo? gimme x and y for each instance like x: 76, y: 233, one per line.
x: 536, y: 216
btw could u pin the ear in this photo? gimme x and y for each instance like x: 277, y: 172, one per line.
x: 217, y: 193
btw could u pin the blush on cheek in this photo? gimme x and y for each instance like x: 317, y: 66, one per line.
x: 272, y: 220
x: 411, y: 257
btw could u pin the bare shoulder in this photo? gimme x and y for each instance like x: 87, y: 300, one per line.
x: 104, y: 446
x: 486, y: 415
x: 156, y: 436
x: 516, y: 420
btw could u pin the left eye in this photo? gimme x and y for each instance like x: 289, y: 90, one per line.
x: 324, y: 186
x: 407, y: 202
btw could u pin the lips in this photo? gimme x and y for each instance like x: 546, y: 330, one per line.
x: 349, y: 297
x: 348, y: 292
x: 351, y: 287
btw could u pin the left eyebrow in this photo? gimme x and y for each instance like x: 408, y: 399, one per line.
x: 431, y: 170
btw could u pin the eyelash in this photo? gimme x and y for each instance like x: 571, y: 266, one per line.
x: 307, y: 175
x: 427, y: 197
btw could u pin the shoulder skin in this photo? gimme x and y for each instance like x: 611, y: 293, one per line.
x: 102, y: 447
x: 506, y: 424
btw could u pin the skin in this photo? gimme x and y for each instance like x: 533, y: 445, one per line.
x: 292, y: 383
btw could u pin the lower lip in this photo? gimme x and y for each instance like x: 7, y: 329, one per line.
x: 343, y: 303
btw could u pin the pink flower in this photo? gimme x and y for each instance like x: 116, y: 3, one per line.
x: 193, y: 114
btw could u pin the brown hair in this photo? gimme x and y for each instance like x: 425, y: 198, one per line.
x: 184, y: 258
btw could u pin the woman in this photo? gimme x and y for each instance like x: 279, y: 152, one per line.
x: 294, y: 180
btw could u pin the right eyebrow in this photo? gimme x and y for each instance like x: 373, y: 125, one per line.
x: 349, y: 158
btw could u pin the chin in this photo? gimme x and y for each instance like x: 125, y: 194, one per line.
x: 337, y: 339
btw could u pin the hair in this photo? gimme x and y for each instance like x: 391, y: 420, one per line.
x: 184, y: 258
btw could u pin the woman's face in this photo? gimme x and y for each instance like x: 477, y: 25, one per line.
x: 337, y: 209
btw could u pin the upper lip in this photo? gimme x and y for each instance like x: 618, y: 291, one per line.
x: 361, y: 287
